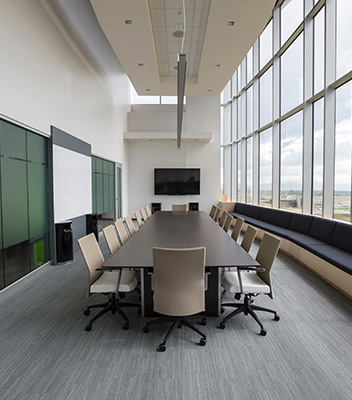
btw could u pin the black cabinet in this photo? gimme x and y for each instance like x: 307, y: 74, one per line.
x: 193, y: 206
x: 156, y: 207
x: 92, y: 225
x: 64, y: 243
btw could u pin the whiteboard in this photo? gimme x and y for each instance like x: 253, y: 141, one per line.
x: 72, y: 181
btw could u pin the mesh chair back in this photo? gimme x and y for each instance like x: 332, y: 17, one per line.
x: 227, y: 223
x: 121, y: 231
x: 179, y: 281
x: 138, y: 218
x: 111, y: 239
x: 130, y: 225
x: 248, y: 238
x: 237, y: 228
x: 92, y: 256
x: 266, y: 256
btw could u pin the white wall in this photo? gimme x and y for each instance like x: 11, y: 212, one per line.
x: 46, y: 80
x: 202, y: 115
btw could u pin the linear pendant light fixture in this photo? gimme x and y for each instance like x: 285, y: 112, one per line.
x: 181, y: 82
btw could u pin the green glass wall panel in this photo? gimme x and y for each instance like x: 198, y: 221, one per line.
x: 38, y: 213
x: 106, y: 193
x: 93, y: 163
x: 14, y: 201
x: 94, y: 194
x: 99, y: 188
x: 13, y: 140
x: 16, y: 261
x: 112, y: 193
x: 98, y: 165
x: 2, y: 277
x: 39, y: 252
x: 106, y: 167
x: 36, y: 148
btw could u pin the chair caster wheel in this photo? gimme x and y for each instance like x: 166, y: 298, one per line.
x: 237, y: 296
x: 203, y: 321
x: 86, y: 312
x: 202, y: 342
x: 162, y: 347
x: 277, y: 318
x: 88, y: 327
x: 146, y: 329
x: 263, y: 332
x: 221, y: 325
x: 126, y: 326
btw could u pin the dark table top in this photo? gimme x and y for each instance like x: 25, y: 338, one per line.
x: 171, y: 230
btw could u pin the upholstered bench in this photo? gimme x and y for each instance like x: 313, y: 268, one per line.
x: 322, y: 245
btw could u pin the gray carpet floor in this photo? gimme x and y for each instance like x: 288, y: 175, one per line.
x: 45, y: 353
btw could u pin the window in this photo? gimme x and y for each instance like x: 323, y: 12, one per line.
x: 343, y: 153
x: 343, y: 37
x: 249, y: 110
x: 239, y: 118
x: 239, y: 158
x: 292, y: 76
x: 249, y: 196
x: 265, y: 167
x: 291, y: 17
x: 319, y: 50
x: 291, y: 162
x: 266, y: 45
x: 266, y: 97
x: 318, y: 157
x: 250, y: 65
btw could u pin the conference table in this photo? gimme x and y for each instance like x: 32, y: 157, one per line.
x: 181, y: 230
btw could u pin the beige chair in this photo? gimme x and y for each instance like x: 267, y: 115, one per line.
x: 139, y: 219
x: 111, y: 239
x: 222, y: 219
x: 144, y: 215
x: 130, y: 225
x: 105, y: 282
x: 227, y: 223
x: 179, y: 207
x: 148, y: 211
x: 251, y: 281
x: 212, y: 211
x: 248, y: 238
x: 217, y: 214
x: 178, y: 288
x: 237, y: 228
x: 121, y: 231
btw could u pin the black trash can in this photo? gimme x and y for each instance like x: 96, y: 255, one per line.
x: 156, y: 207
x: 193, y: 206
x: 64, y: 243
x: 92, y: 224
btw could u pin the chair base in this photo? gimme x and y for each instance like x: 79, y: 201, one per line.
x: 112, y: 305
x: 177, y: 322
x: 247, y: 308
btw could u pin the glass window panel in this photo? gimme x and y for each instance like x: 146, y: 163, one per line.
x: 292, y: 76
x: 222, y: 125
x: 14, y: 201
x: 227, y: 123
x: 16, y: 261
x: 118, y: 192
x: 249, y: 110
x: 99, y: 191
x: 266, y: 168
x: 318, y: 157
x: 343, y: 153
x: 99, y: 165
x: 239, y: 133
x: 266, y: 45
x: 222, y: 170
x: 112, y: 193
x: 250, y: 65
x: 249, y: 197
x: 111, y: 168
x: 2, y: 277
x: 94, y: 193
x: 343, y: 37
x: 239, y: 77
x: 266, y: 97
x: 39, y: 251
x: 13, y: 140
x: 37, y: 199
x: 106, y: 167
x: 106, y: 194
x: 239, y: 158
x: 319, y: 50
x: 36, y: 148
x: 93, y: 164
x: 291, y: 17
x: 291, y: 162
x: 234, y: 119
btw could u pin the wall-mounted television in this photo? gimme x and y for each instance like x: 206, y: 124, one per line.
x: 176, y: 181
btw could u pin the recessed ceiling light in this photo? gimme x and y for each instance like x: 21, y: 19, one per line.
x: 231, y: 23
x: 128, y: 21
x: 140, y: 65
x: 217, y: 65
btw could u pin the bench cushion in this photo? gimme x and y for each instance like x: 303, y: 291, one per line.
x: 276, y: 217
x: 301, y: 222
x: 322, y: 229
x: 252, y: 211
x: 342, y: 236
x: 239, y: 208
x: 340, y: 258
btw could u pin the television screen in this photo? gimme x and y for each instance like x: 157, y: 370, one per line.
x: 176, y: 181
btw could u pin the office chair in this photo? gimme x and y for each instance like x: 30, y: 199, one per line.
x: 121, y: 231
x: 105, y: 282
x: 237, y: 228
x: 212, y: 211
x: 179, y: 208
x: 248, y: 238
x: 178, y: 288
x: 130, y: 225
x: 139, y: 219
x: 251, y: 281
x: 111, y: 239
x: 148, y: 211
x: 227, y: 223
x: 223, y: 216
x: 144, y: 215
